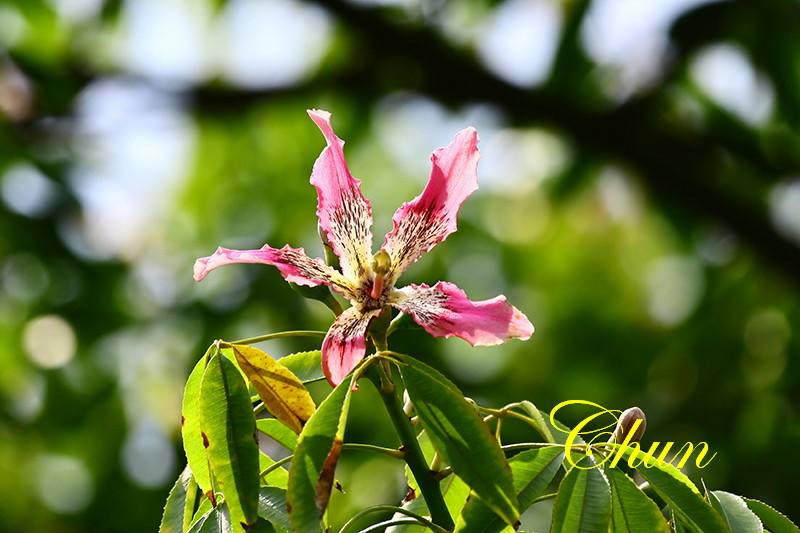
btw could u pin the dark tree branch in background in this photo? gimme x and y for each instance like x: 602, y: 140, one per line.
x: 691, y: 167
x: 720, y: 171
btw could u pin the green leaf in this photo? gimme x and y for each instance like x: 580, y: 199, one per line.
x: 278, y: 477
x: 281, y: 391
x: 541, y: 426
x: 772, y: 519
x: 228, y: 427
x: 532, y: 471
x: 180, y: 504
x: 307, y: 366
x: 583, y: 503
x: 190, y: 427
x: 216, y: 520
x: 311, y: 474
x: 462, y: 438
x: 277, y: 431
x: 734, y: 510
x: 682, y: 496
x: 631, y: 510
x: 272, y: 507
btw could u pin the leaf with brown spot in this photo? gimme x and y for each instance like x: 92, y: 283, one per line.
x: 322, y: 492
x: 282, y: 392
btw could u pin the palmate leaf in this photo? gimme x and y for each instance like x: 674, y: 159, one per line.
x: 772, y: 519
x: 281, y: 391
x: 277, y: 477
x: 532, y: 471
x: 228, y: 431
x: 462, y: 438
x: 218, y: 520
x: 272, y: 507
x: 311, y: 473
x: 190, y: 427
x: 278, y: 432
x: 307, y: 366
x: 682, y: 496
x: 180, y: 504
x: 631, y: 510
x: 583, y: 503
x: 734, y: 510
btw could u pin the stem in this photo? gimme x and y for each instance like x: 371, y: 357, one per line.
x: 383, y: 508
x: 414, y: 458
x: 389, y: 452
x: 270, y: 336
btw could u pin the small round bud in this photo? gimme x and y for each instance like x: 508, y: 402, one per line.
x: 631, y: 420
x: 381, y: 263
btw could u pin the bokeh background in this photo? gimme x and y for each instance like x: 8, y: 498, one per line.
x: 639, y: 200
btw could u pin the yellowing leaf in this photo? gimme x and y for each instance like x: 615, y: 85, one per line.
x: 282, y: 392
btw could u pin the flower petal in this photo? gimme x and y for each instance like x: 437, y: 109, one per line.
x: 345, y: 344
x: 294, y: 264
x: 344, y: 213
x: 445, y: 311
x: 430, y: 217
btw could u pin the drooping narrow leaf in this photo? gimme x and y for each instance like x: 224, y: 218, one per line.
x: 532, y: 471
x: 282, y: 392
x: 307, y: 366
x: 631, y: 510
x: 228, y: 430
x: 317, y: 441
x: 278, y: 432
x: 734, y: 510
x: 462, y: 438
x: 682, y: 496
x: 583, y: 503
x: 180, y: 504
x: 190, y: 427
x: 272, y: 507
x: 772, y: 519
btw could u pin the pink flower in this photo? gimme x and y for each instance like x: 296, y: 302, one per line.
x: 368, y: 281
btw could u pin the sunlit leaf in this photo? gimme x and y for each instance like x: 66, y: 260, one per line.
x: 228, y: 427
x: 462, y: 438
x: 281, y: 391
x: 532, y: 471
x: 317, y: 446
x: 682, y: 496
x: 583, y: 503
x: 307, y: 366
x: 277, y: 431
x: 272, y: 507
x: 631, y: 510
x: 734, y: 510
x: 180, y: 504
x: 772, y: 519
x: 541, y: 426
x: 190, y: 428
x: 277, y: 477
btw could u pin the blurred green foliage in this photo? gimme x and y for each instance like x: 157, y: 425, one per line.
x: 642, y: 209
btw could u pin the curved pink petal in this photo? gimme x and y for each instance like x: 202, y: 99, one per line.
x: 293, y: 263
x: 445, y: 311
x: 344, y: 213
x: 430, y: 217
x: 345, y: 344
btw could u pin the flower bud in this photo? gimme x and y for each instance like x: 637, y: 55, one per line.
x: 631, y: 420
